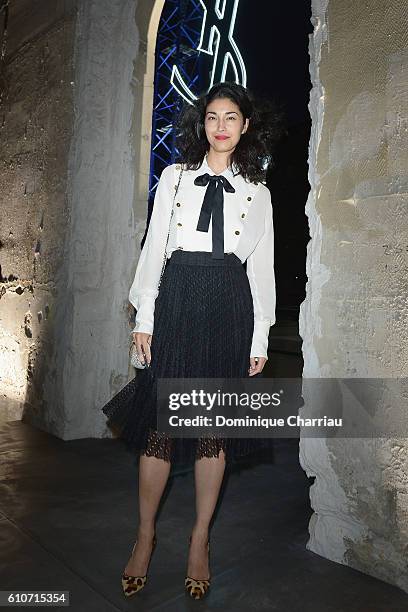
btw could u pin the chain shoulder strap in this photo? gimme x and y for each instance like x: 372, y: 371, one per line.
x: 168, y: 233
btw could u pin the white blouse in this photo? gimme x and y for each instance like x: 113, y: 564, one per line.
x: 248, y: 232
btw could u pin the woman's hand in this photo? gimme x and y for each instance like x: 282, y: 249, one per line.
x: 142, y: 342
x: 256, y: 365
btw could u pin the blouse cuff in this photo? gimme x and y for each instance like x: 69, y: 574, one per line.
x: 144, y: 315
x: 260, y: 339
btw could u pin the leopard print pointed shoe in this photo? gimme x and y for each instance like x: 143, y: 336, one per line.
x: 133, y: 584
x: 197, y: 589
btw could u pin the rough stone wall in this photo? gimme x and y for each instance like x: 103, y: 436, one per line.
x: 35, y: 131
x: 354, y: 321
x: 68, y: 248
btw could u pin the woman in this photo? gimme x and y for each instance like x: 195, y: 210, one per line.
x: 211, y: 318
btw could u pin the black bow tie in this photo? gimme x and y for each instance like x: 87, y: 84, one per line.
x: 213, y: 205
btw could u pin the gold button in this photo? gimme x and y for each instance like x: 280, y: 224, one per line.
x: 237, y: 232
x: 243, y: 215
x: 249, y: 198
x: 178, y: 204
x: 175, y: 187
x: 177, y: 167
x: 179, y: 224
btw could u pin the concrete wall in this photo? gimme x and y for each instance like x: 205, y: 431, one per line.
x: 70, y: 235
x: 91, y: 357
x: 354, y: 321
x: 36, y: 117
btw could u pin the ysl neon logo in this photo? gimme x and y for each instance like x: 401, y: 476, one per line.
x: 223, y: 49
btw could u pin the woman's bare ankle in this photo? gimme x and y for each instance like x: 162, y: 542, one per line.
x: 200, y: 532
x: 146, y: 531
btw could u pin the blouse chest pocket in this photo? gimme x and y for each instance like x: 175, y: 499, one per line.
x: 186, y: 213
x: 246, y: 216
x: 235, y: 214
x: 187, y: 206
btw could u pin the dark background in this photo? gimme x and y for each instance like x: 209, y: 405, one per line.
x: 273, y: 38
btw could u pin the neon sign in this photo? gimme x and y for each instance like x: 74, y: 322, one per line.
x: 224, y: 50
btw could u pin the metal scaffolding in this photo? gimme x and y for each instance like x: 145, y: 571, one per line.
x: 177, y: 41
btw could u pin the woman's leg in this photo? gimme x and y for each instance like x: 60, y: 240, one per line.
x: 209, y: 473
x: 153, y: 476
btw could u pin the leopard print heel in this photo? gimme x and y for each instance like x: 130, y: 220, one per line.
x: 197, y: 589
x: 133, y: 584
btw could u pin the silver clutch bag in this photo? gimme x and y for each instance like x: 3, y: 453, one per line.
x: 134, y: 357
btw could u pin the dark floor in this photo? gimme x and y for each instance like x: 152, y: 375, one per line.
x: 68, y: 514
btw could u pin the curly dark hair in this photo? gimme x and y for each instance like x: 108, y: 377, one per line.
x: 253, y: 154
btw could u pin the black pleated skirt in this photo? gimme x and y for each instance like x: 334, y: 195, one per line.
x: 203, y: 326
